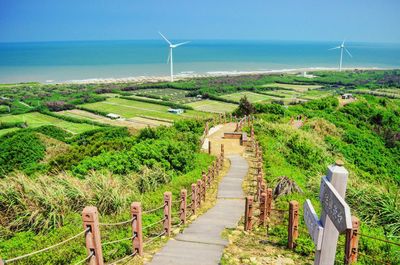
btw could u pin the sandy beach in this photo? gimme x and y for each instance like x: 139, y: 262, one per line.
x: 183, y: 76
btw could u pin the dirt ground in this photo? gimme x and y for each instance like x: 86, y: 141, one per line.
x: 231, y: 146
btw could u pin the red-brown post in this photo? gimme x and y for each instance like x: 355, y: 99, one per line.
x: 209, y: 147
x: 1, y: 262
x: 183, y: 205
x: 259, y: 179
x: 248, y: 214
x: 252, y: 133
x: 263, y: 208
x: 293, y: 231
x: 194, y: 198
x: 263, y: 187
x: 269, y: 201
x: 351, y: 246
x: 90, y: 219
x: 209, y: 177
x: 222, y: 150
x: 167, y: 212
x: 137, y: 241
x: 199, y: 192
x: 204, y: 186
x: 206, y: 128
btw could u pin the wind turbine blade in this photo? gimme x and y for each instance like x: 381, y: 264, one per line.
x: 165, y: 38
x: 348, y: 52
x: 338, y: 47
x: 182, y: 43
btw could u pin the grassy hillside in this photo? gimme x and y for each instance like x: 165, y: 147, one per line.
x: 365, y: 135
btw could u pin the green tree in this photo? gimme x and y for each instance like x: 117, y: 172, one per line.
x: 245, y: 107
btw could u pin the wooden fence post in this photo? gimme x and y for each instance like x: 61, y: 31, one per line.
x: 137, y: 242
x: 209, y: 177
x: 259, y: 179
x: 90, y: 219
x: 204, y: 186
x: 167, y: 212
x: 293, y: 231
x: 209, y: 147
x: 194, y: 198
x: 183, y: 206
x: 1, y: 262
x: 199, y: 192
x: 222, y: 151
x: 206, y: 129
x: 351, y: 246
x: 263, y: 208
x: 248, y: 214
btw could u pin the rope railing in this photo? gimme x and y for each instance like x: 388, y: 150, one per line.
x: 154, y: 210
x: 124, y: 258
x: 47, y: 248
x: 85, y: 259
x: 172, y: 217
x: 118, y: 223
x: 378, y: 239
x: 155, y: 223
x: 118, y: 240
x: 154, y: 238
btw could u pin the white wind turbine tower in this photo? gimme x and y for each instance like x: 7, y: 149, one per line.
x: 170, y: 59
x: 341, y: 47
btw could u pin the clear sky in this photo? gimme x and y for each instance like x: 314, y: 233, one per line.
x: 55, y: 20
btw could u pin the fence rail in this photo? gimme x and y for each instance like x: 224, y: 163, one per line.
x: 92, y: 233
x: 259, y: 206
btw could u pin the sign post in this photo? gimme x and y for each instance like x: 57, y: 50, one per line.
x: 335, y: 214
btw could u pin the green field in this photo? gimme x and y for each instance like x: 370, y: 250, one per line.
x: 300, y: 88
x: 252, y: 97
x: 35, y: 119
x: 170, y: 94
x: 213, y: 106
x: 131, y: 108
x: 4, y: 131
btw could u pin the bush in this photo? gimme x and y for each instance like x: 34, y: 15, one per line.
x: 20, y: 151
x: 151, y: 179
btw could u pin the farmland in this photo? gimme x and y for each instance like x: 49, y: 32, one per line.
x: 295, y: 87
x: 166, y: 94
x: 251, y: 96
x: 132, y: 108
x: 213, y: 106
x: 35, y: 119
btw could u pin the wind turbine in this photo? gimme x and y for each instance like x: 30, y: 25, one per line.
x: 341, y: 47
x: 171, y: 47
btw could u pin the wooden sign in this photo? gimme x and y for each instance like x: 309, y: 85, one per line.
x: 313, y: 224
x: 334, y: 206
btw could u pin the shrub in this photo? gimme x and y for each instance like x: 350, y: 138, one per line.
x: 19, y: 151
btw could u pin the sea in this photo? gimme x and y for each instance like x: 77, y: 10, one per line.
x: 50, y: 62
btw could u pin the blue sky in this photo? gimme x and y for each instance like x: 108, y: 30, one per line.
x: 56, y: 20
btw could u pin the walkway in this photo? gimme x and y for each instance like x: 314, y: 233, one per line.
x: 201, y: 243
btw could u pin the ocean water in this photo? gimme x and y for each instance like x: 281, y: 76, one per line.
x: 79, y: 60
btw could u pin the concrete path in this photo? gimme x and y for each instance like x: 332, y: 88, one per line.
x: 201, y: 243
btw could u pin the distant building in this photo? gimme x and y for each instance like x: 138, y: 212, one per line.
x: 199, y: 96
x: 113, y: 116
x: 175, y: 111
x: 347, y: 96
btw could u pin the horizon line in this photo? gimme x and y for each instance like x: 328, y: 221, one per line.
x: 201, y: 39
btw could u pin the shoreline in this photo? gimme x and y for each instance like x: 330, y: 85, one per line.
x: 189, y: 75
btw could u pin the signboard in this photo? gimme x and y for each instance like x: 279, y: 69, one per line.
x: 313, y: 224
x: 334, y: 206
